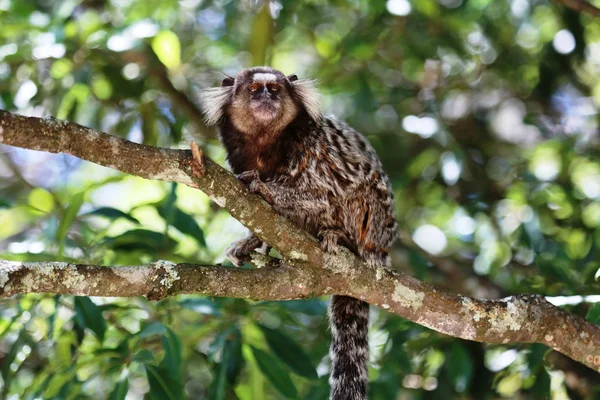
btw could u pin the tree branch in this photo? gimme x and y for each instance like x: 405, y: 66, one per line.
x: 581, y: 6
x: 308, y: 271
x: 155, y: 281
x: 179, y: 99
x: 160, y: 74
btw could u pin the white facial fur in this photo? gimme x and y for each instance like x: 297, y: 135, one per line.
x: 264, y: 77
x: 216, y: 100
x: 309, y: 96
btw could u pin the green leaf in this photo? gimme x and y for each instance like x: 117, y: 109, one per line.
x: 154, y: 328
x: 172, y: 360
x: 39, y: 383
x: 182, y: 221
x: 162, y: 385
x: 275, y: 372
x: 64, y: 343
x: 141, y: 239
x: 67, y: 220
x: 89, y: 315
x: 235, y: 359
x: 120, y: 390
x: 536, y: 354
x: 57, y: 382
x: 255, y: 378
x: 4, y: 204
x: 117, y: 354
x: 41, y: 200
x: 593, y: 315
x: 227, y: 348
x: 217, y: 386
x: 167, y: 48
x: 541, y: 388
x: 460, y: 368
x: 171, y: 344
x: 9, y: 357
x: 144, y: 357
x: 165, y: 380
x: 112, y: 213
x: 289, y: 352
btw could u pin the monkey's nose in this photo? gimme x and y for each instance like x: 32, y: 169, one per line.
x: 262, y: 92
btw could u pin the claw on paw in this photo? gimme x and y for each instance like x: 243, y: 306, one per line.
x: 252, y: 180
x: 248, y: 176
x: 239, y: 251
x: 330, y: 240
x: 233, y: 256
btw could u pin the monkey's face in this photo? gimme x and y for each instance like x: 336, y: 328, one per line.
x: 262, y: 100
x: 265, y: 99
x: 265, y: 94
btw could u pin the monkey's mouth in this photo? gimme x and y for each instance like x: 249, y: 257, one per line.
x: 264, y: 109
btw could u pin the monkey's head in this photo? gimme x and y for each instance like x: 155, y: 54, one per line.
x: 261, y: 99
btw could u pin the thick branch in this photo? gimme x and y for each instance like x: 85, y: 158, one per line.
x: 308, y: 272
x: 155, y: 281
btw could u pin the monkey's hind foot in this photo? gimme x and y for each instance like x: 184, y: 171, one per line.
x: 198, y: 164
x: 330, y: 240
x: 252, y: 180
x: 239, y: 251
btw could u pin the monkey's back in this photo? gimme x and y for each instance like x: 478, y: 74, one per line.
x: 334, y: 180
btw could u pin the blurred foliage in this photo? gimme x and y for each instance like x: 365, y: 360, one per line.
x: 485, y: 114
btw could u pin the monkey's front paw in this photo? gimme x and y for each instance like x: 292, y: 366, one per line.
x: 248, y: 176
x: 330, y: 240
x: 262, y: 190
x: 239, y: 251
x: 255, y: 185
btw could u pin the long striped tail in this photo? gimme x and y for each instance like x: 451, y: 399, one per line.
x: 349, y: 352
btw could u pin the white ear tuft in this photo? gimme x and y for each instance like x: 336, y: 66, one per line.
x: 213, y: 102
x: 309, y: 96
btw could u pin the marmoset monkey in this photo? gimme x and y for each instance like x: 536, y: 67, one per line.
x: 319, y: 173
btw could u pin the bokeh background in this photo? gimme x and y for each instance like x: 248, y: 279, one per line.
x: 485, y: 114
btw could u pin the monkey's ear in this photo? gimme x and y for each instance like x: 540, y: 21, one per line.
x: 292, y: 78
x: 228, y: 81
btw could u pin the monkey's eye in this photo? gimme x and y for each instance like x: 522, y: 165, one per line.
x: 273, y: 87
x: 253, y: 87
